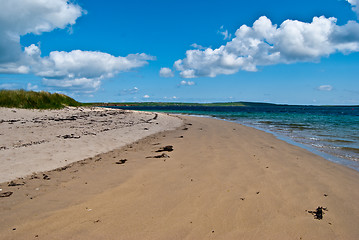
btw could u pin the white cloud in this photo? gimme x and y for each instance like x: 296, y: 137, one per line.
x: 166, y: 72
x: 171, y: 98
x: 79, y: 70
x: 31, y: 87
x: 20, y: 17
x: 266, y: 44
x: 130, y: 91
x: 187, y: 83
x: 76, y: 70
x: 225, y: 33
x: 195, y: 45
x: 84, y: 69
x: 9, y: 86
x: 355, y: 5
x: 325, y: 88
x: 146, y: 96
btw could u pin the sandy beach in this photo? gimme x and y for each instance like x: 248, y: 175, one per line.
x: 40, y: 140
x: 200, y: 179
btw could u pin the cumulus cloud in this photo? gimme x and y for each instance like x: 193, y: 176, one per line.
x: 325, y: 88
x: 355, y: 5
x: 20, y: 17
x: 266, y: 44
x: 79, y: 70
x: 187, y: 83
x: 166, y: 72
x: 76, y: 70
x: 146, y: 96
x: 82, y: 69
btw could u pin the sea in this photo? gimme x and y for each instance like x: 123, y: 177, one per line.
x: 331, y: 132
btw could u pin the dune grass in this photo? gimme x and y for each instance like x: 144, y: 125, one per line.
x: 35, y: 100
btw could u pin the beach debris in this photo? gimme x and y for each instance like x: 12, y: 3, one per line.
x: 168, y: 148
x: 67, y: 136
x: 122, y: 161
x: 98, y: 220
x: 325, y: 195
x: 13, y: 184
x: 163, y: 155
x: 6, y: 194
x: 145, y: 129
x: 61, y: 168
x: 45, y: 177
x: 318, y: 213
x: 257, y: 192
x: 185, y: 128
x: 30, y: 144
x: 34, y: 176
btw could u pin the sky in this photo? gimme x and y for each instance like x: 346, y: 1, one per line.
x: 288, y: 52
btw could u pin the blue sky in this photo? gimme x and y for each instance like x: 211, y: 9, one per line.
x: 113, y: 51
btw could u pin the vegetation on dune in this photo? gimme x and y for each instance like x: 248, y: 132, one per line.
x: 37, y: 100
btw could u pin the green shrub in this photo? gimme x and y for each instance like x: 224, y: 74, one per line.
x: 38, y: 100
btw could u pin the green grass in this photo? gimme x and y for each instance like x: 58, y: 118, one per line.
x: 35, y: 100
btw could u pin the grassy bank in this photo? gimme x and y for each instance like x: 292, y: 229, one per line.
x: 38, y: 100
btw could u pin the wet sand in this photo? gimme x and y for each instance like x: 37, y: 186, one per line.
x: 221, y: 180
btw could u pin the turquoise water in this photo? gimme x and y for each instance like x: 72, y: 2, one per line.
x: 332, y: 132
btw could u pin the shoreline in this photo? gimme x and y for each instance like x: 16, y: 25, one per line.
x: 329, y: 130
x: 329, y: 157
x: 222, y: 180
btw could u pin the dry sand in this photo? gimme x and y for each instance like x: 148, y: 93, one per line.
x: 34, y: 140
x: 221, y: 181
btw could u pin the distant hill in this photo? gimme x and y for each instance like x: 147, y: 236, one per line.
x: 35, y: 100
x: 159, y: 104
x: 216, y: 104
